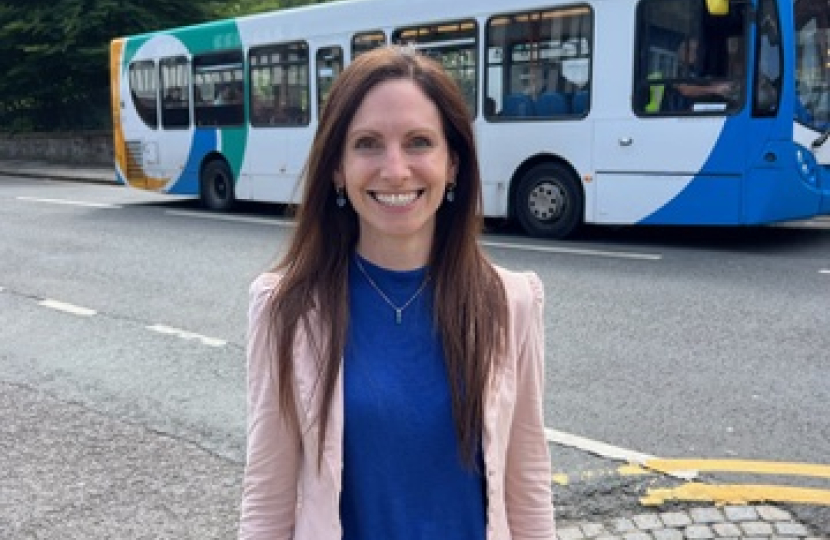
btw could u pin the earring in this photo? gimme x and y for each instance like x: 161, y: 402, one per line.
x: 341, y: 197
x: 450, y: 196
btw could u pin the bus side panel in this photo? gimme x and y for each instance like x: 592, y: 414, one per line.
x: 705, y: 200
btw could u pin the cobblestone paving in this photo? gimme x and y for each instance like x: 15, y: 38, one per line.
x: 704, y: 523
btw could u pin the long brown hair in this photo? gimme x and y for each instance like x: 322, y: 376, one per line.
x: 470, y: 309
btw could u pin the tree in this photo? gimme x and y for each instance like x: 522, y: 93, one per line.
x: 239, y: 8
x: 54, y: 54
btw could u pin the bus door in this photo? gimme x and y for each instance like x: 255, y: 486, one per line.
x: 656, y: 148
x: 281, y: 131
x: 812, y: 86
x: 172, y: 145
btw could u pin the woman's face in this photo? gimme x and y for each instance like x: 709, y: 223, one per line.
x: 395, y: 168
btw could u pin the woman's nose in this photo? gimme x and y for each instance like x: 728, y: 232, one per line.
x: 395, y: 164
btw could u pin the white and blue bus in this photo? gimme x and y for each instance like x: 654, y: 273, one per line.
x: 678, y: 112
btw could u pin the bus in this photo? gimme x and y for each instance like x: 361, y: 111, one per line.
x: 657, y: 112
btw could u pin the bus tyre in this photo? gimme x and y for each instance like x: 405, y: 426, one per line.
x: 216, y: 187
x: 548, y: 201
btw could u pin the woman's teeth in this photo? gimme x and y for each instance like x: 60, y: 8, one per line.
x: 396, y: 199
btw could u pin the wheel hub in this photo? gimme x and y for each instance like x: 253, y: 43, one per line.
x: 547, y: 201
x: 220, y: 184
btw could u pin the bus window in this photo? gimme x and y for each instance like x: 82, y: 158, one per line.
x: 329, y: 66
x: 366, y: 41
x: 767, y: 83
x: 812, y: 22
x: 175, y: 89
x: 144, y: 91
x: 279, y: 85
x: 539, y: 64
x: 688, y: 60
x: 453, y: 45
x: 218, y: 89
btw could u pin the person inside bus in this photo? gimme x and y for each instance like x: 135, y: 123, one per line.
x: 387, y: 398
x: 683, y: 95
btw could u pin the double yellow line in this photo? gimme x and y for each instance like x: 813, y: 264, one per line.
x: 688, y: 469
x: 736, y: 493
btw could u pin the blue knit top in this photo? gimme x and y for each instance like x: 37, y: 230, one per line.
x: 403, y: 478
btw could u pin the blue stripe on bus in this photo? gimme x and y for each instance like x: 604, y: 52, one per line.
x: 728, y: 193
x: 204, y: 142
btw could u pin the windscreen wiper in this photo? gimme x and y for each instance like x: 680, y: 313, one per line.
x: 822, y: 138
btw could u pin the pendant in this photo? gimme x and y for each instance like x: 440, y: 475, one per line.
x: 398, y: 315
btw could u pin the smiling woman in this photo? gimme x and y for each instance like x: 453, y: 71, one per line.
x: 396, y: 170
x: 405, y: 401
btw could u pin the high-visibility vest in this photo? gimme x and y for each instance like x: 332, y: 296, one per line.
x: 655, y: 93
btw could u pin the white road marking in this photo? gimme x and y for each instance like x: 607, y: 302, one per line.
x: 238, y: 219
x: 575, y: 251
x: 68, y: 202
x: 503, y: 245
x: 596, y: 447
x: 815, y: 223
x: 609, y: 451
x: 824, y: 271
x: 184, y: 334
x: 67, y: 308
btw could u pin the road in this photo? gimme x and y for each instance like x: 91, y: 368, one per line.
x: 663, y: 344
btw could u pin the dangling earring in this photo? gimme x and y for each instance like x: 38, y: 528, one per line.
x: 450, y: 196
x: 341, y: 197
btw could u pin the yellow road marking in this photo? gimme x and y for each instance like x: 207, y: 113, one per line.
x: 564, y: 479
x: 669, y: 466
x: 736, y: 494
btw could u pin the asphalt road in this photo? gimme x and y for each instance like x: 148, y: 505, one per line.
x: 705, y: 344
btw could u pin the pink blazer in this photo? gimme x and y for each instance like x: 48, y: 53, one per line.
x: 285, y: 495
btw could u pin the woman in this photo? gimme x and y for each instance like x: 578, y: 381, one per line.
x: 395, y: 377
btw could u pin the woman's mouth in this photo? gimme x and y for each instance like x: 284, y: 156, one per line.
x: 396, y: 199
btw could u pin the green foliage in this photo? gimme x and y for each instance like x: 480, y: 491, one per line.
x: 238, y: 8
x: 54, y: 54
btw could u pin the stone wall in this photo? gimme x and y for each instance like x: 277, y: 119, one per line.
x: 88, y: 147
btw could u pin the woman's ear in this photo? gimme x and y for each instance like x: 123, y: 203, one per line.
x: 453, y: 170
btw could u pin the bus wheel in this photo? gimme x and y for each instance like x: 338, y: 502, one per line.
x: 548, y: 201
x: 216, y: 187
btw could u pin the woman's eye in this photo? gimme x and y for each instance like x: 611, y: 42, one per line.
x: 365, y: 143
x: 420, y: 142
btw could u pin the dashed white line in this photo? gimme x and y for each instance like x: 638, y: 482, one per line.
x: 824, y: 271
x: 67, y: 308
x: 575, y: 251
x: 69, y: 202
x: 238, y: 219
x: 184, y: 334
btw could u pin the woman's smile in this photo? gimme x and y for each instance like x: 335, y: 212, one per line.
x: 396, y: 199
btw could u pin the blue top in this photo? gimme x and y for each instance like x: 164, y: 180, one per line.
x: 403, y: 477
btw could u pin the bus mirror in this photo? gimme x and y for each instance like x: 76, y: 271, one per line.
x: 717, y: 7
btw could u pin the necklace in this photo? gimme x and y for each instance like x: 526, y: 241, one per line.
x: 398, y: 309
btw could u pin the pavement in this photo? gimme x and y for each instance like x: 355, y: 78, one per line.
x: 69, y: 472
x: 70, y: 172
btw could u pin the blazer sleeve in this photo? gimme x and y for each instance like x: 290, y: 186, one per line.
x: 528, y: 494
x: 269, y: 491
